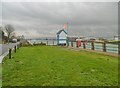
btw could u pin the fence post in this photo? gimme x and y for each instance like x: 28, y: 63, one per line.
x: 104, y: 46
x: 15, y: 49
x: 53, y: 43
x: 10, y: 50
x: 47, y: 42
x: 71, y: 44
x: 119, y: 48
x: 118, y: 51
x: 18, y: 46
x: 92, y: 45
x: 84, y: 45
x: 76, y: 44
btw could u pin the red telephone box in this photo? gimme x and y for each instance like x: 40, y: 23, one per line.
x: 78, y: 43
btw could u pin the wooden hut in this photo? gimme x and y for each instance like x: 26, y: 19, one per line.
x: 61, y: 37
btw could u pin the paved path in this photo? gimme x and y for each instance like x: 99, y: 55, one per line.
x: 96, y: 51
x: 4, y: 49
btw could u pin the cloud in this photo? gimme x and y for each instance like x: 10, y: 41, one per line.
x: 46, y: 18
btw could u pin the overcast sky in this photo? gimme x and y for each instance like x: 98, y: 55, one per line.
x: 45, y: 19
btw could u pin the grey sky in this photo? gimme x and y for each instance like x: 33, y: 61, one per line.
x: 44, y: 19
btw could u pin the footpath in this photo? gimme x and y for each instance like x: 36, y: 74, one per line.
x: 95, y: 51
x: 4, y: 50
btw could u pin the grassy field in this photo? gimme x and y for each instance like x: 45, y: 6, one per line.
x: 56, y: 66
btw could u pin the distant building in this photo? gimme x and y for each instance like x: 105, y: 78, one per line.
x: 117, y: 37
x: 61, y: 37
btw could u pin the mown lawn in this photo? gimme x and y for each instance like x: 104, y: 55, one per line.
x: 56, y: 66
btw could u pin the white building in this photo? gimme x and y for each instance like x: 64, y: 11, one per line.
x: 61, y: 37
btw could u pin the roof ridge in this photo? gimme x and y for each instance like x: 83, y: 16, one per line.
x: 61, y: 31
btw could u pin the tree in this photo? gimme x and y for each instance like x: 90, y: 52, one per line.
x: 3, y: 38
x: 9, y: 29
x: 1, y: 34
x: 22, y: 37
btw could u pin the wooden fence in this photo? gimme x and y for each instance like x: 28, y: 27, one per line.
x: 103, y: 46
x: 13, y: 49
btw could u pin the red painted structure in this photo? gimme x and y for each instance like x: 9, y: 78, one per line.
x: 78, y: 43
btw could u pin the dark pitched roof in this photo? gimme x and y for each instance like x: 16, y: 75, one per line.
x: 61, y: 31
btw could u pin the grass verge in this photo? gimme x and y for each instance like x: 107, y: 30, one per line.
x: 56, y: 66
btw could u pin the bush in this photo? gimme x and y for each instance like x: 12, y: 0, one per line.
x: 26, y: 44
x: 37, y: 44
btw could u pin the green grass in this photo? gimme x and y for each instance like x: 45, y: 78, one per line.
x: 0, y: 75
x: 56, y: 66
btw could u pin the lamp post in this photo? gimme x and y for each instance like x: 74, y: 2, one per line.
x: 67, y: 35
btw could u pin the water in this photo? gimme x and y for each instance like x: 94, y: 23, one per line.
x: 50, y: 42
x: 112, y: 48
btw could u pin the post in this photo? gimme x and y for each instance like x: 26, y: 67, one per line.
x: 67, y: 41
x: 10, y: 50
x: 47, y: 42
x: 84, y: 45
x: 76, y: 44
x: 15, y: 49
x: 71, y: 44
x: 53, y: 43
x: 67, y: 36
x: 18, y: 46
x: 92, y: 45
x: 104, y: 46
x: 118, y: 48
